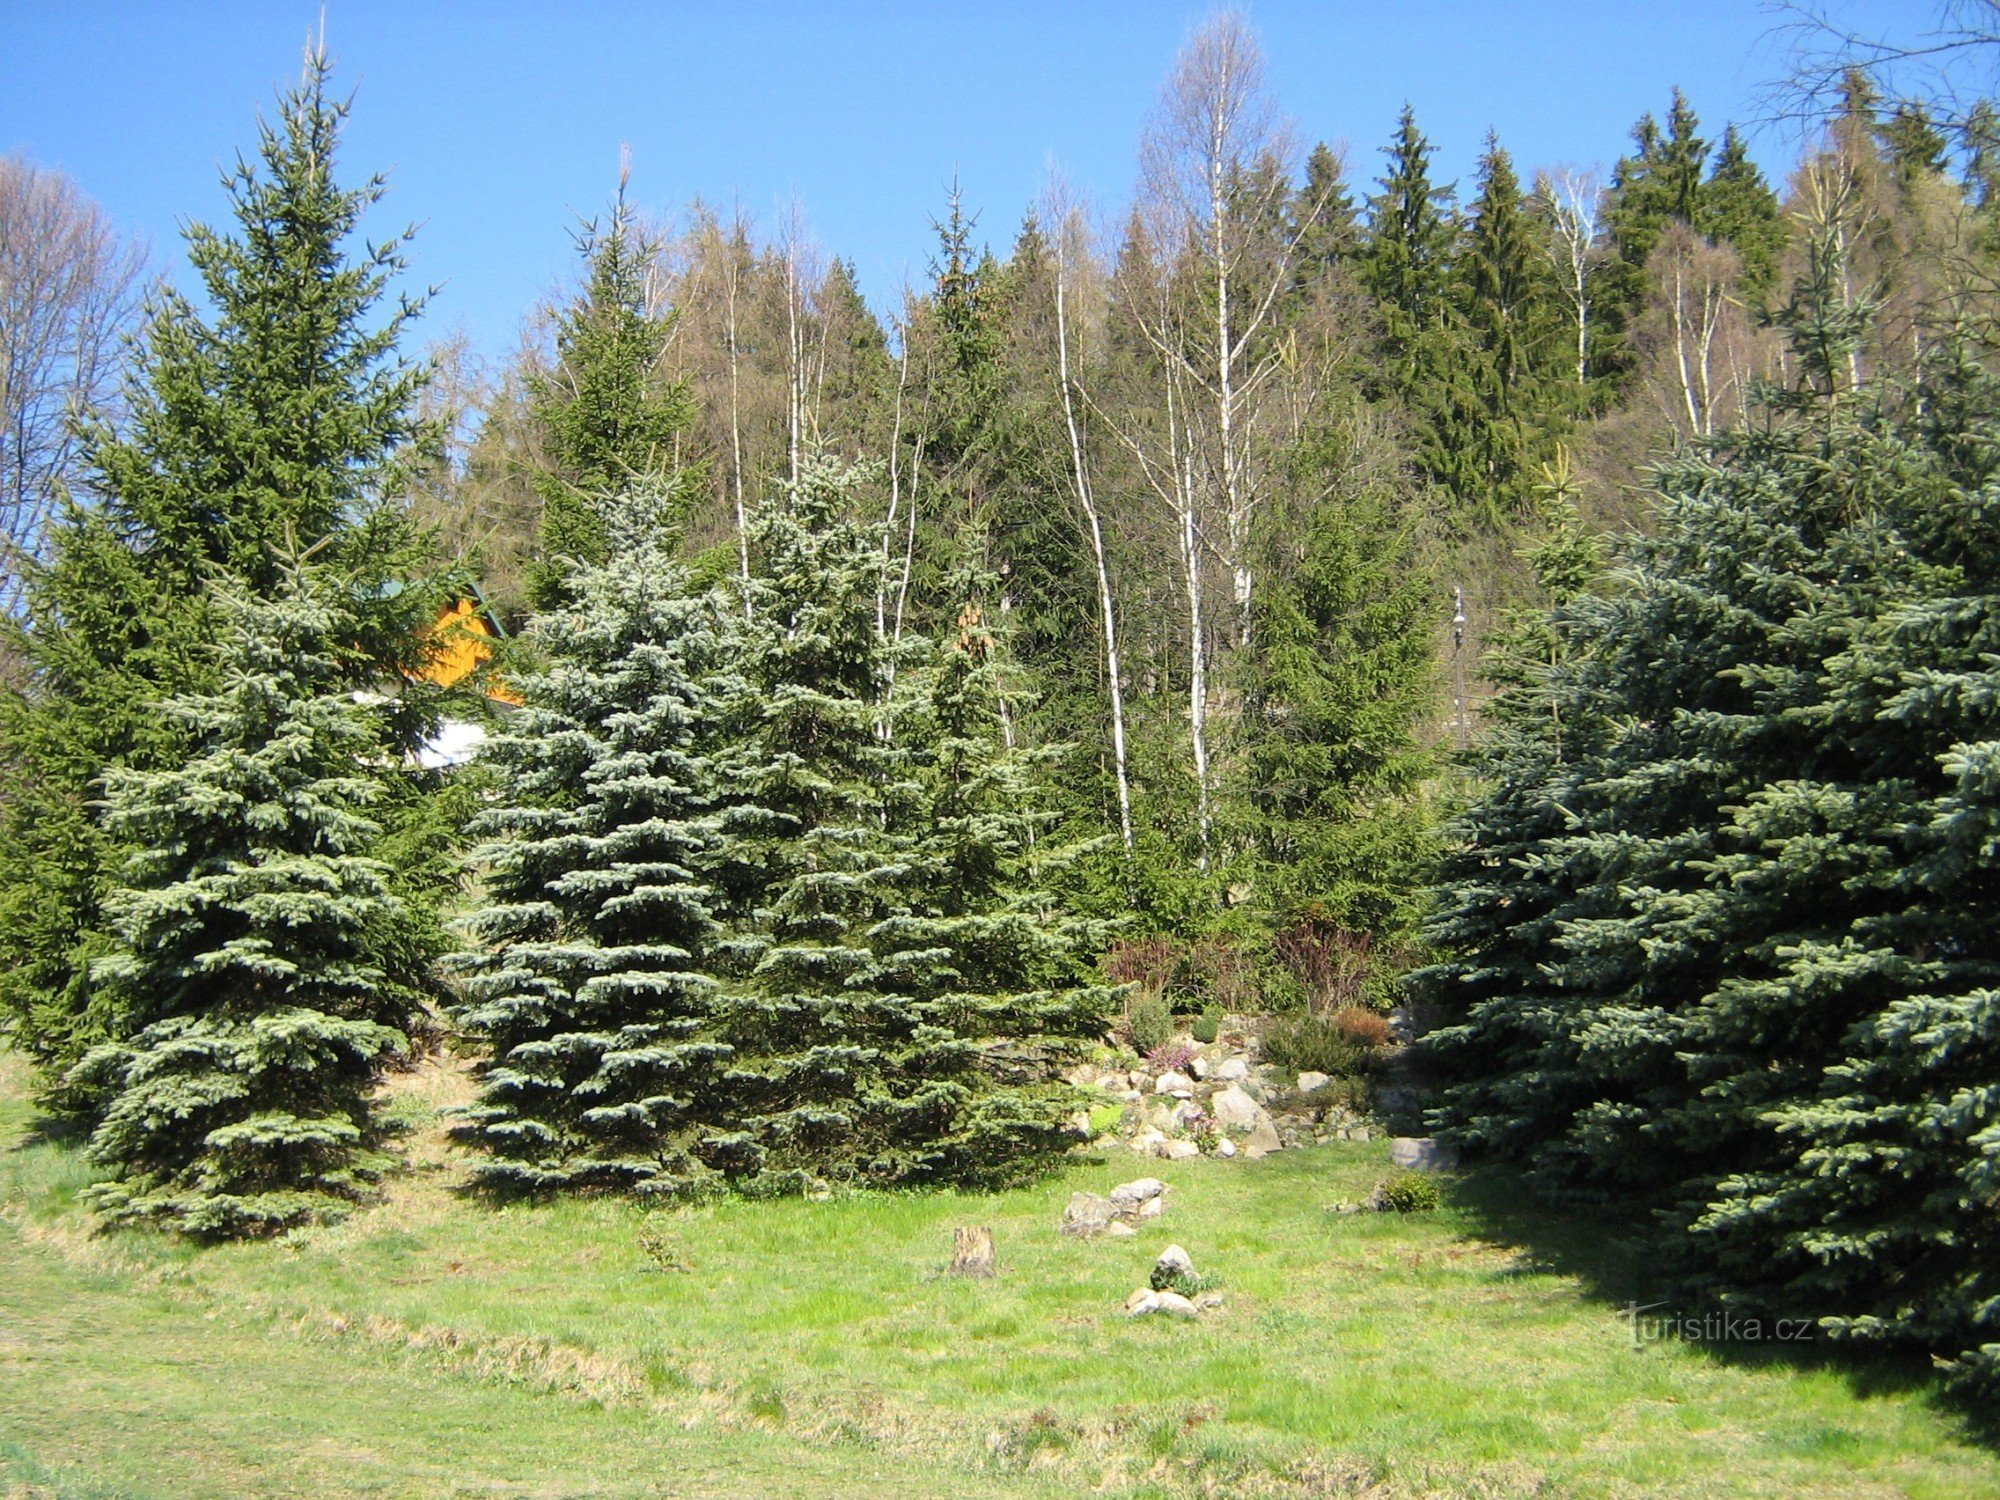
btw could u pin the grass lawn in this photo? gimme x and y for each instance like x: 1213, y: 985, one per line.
x: 436, y: 1346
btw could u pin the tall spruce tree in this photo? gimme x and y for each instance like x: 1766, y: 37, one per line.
x: 1406, y: 264
x: 1739, y: 209
x: 1724, y: 944
x: 273, y: 419
x: 609, y: 416
x: 588, y: 984
x: 242, y: 977
x: 860, y: 1050
x: 1339, y: 683
x: 1509, y: 320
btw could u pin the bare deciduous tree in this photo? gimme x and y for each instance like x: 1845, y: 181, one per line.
x: 1574, y: 201
x: 69, y: 292
x: 1070, y: 241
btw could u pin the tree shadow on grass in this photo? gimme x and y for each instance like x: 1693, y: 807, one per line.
x: 1628, y: 1263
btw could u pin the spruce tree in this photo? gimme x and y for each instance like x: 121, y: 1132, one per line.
x: 242, y: 976
x: 1507, y: 312
x: 608, y: 416
x: 271, y: 417
x: 1406, y: 262
x: 587, y: 985
x: 1341, y: 679
x: 993, y: 974
x: 1738, y: 208
x: 861, y: 1051
x: 1717, y: 932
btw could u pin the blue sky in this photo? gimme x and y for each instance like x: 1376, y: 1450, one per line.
x: 500, y: 122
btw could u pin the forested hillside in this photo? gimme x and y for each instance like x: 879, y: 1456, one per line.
x: 1513, y: 658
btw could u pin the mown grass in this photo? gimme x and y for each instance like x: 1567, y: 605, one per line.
x: 815, y: 1348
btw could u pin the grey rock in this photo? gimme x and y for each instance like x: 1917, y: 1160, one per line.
x: 1310, y: 1082
x: 1173, y: 1305
x: 1141, y: 1302
x: 1128, y: 1196
x: 1120, y: 1230
x: 1235, y: 1110
x: 1262, y: 1141
x: 1225, y: 1147
x: 1152, y: 1208
x: 1230, y: 1069
x: 1087, y: 1216
x: 1146, y: 1142
x: 1207, y: 1300
x: 1419, y: 1153
x: 1180, y: 1150
x: 1199, y: 1067
x: 1178, y: 1084
x: 1174, y: 1261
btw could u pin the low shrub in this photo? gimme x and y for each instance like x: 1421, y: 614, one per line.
x: 1187, y: 1283
x: 1370, y: 1028
x: 1171, y: 1057
x: 1208, y: 1025
x: 1315, y: 1044
x: 1149, y: 1024
x: 1409, y: 1193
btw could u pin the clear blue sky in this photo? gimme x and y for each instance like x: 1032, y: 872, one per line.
x: 499, y: 122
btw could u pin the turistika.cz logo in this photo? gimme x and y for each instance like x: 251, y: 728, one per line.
x: 1647, y: 1326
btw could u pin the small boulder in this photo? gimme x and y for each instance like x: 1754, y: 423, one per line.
x: 1199, y: 1067
x: 1312, y: 1083
x: 1120, y: 1230
x: 1173, y: 1261
x: 1207, y: 1300
x: 1146, y: 1142
x: 1262, y: 1141
x: 1419, y: 1153
x: 1152, y: 1208
x: 1129, y: 1197
x: 1180, y: 1150
x: 1177, y: 1084
x: 1174, y: 1305
x: 1087, y: 1216
x: 1235, y: 1110
x: 1225, y: 1147
x: 1141, y: 1302
x: 1230, y: 1069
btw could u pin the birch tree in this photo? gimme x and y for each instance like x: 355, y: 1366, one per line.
x: 69, y: 287
x: 1070, y: 242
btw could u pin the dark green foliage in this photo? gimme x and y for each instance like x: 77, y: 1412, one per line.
x: 1511, y: 329
x: 1314, y: 1042
x: 587, y: 985
x: 1406, y: 265
x: 1149, y: 1023
x: 1409, y: 1193
x: 1725, y: 941
x: 243, y: 975
x: 1207, y: 1026
x: 1341, y: 678
x: 1739, y: 209
x: 896, y: 990
x: 267, y: 420
x: 609, y: 418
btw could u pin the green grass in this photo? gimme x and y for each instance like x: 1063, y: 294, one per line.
x: 434, y: 1345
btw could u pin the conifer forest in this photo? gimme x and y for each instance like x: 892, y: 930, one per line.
x: 688, y: 909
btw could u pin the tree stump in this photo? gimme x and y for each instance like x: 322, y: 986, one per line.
x: 972, y: 1251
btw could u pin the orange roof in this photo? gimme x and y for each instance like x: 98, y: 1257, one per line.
x: 464, y: 643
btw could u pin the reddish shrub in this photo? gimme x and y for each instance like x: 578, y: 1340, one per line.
x: 1369, y: 1028
x: 1146, y: 962
x: 1330, y: 963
